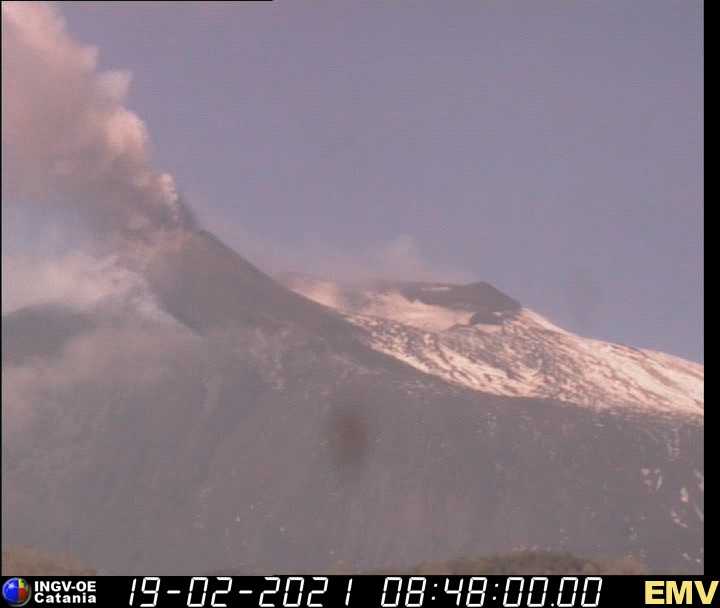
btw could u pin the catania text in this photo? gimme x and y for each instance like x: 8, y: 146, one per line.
x: 64, y: 592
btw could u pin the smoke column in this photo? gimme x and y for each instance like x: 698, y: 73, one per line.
x: 67, y: 137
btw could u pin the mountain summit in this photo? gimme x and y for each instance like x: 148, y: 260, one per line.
x: 477, y: 337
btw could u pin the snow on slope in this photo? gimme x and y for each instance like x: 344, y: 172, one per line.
x: 521, y: 354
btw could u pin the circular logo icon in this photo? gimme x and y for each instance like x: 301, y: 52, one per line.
x: 16, y: 591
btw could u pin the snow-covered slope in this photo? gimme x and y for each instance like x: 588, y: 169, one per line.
x: 500, y: 348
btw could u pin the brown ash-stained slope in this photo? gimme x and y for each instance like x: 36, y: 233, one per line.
x: 264, y: 433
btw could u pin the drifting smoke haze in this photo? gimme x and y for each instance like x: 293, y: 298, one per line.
x: 67, y: 135
x: 77, y: 280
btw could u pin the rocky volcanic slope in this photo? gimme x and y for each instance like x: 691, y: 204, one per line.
x: 474, y: 336
x: 250, y: 428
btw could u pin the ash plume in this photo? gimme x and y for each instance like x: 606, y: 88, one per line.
x: 67, y: 136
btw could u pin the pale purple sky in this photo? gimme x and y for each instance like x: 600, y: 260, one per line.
x: 553, y: 149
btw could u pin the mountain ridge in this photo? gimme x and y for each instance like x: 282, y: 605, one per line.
x: 495, y: 345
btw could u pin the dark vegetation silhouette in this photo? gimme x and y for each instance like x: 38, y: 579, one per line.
x: 26, y: 561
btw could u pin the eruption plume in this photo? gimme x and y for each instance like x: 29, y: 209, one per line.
x: 67, y: 137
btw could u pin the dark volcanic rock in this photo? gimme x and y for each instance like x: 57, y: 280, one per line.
x: 205, y: 284
x: 474, y: 297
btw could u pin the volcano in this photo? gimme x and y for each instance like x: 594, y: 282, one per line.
x: 299, y: 424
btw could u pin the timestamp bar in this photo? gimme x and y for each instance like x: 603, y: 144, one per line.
x: 318, y: 591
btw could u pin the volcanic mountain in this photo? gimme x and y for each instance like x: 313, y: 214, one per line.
x: 238, y: 422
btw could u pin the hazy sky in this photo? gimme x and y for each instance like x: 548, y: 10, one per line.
x: 550, y: 148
